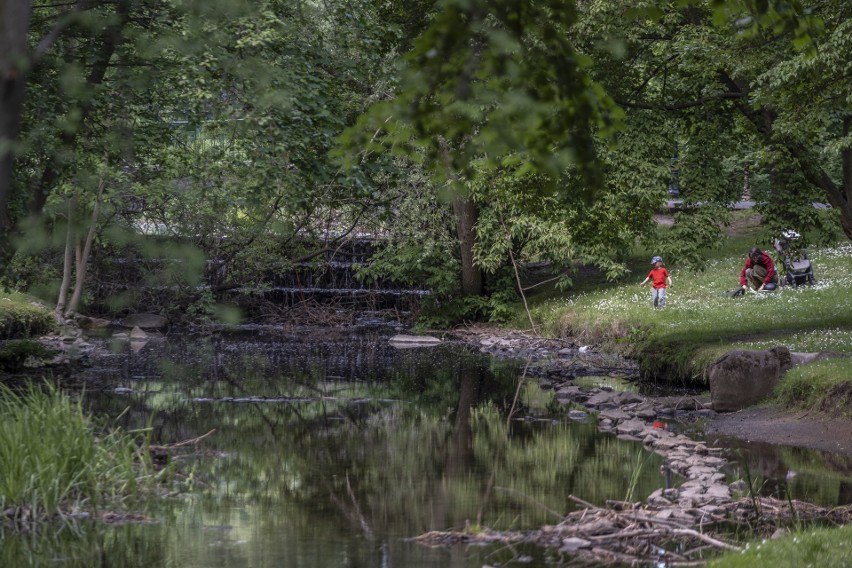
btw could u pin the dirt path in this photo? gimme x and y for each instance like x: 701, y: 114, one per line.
x: 778, y: 426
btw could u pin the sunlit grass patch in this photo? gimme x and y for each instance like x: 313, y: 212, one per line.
x: 829, y: 339
x: 700, y: 318
x: 826, y: 548
x: 824, y: 385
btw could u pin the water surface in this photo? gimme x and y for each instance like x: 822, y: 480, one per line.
x: 333, y: 449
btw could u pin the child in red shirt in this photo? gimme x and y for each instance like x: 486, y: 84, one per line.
x: 660, y: 277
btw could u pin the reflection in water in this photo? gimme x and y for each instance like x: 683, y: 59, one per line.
x: 795, y: 473
x: 342, y: 450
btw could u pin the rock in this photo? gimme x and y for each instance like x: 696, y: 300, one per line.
x: 602, y: 399
x: 578, y: 416
x: 630, y: 427
x: 804, y: 358
x: 145, y: 321
x: 136, y: 334
x: 657, y: 499
x: 623, y: 398
x: 87, y: 323
x: 570, y: 391
x: 779, y: 533
x: 645, y: 411
x: 629, y: 437
x: 406, y: 341
x: 741, y: 378
x: 719, y: 492
x: 614, y: 414
x: 572, y: 544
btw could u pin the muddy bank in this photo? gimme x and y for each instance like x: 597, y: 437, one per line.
x: 779, y: 426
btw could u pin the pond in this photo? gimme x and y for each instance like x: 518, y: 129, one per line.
x: 333, y: 448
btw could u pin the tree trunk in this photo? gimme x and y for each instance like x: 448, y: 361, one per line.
x: 471, y: 276
x: 66, y: 265
x: 83, y: 253
x: 14, y: 24
x: 847, y: 177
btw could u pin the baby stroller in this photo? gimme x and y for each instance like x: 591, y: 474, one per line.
x: 794, y: 260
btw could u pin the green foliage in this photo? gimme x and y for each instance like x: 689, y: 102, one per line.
x: 213, y: 122
x: 694, y: 225
x: 52, y: 458
x: 750, y: 98
x: 37, y: 273
x: 487, y: 80
x: 203, y: 308
x: 829, y: 548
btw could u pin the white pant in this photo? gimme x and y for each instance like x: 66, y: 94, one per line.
x: 658, y: 297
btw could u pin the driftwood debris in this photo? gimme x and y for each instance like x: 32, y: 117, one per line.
x: 161, y: 455
x: 636, y: 534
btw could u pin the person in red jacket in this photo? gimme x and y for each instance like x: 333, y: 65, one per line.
x: 759, y: 271
x: 660, y: 277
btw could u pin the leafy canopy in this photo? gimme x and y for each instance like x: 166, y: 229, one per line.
x: 497, y: 81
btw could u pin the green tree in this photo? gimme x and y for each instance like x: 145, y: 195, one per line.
x: 217, y: 116
x: 752, y: 97
x: 499, y: 84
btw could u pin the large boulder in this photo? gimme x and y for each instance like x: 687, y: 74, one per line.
x: 741, y: 378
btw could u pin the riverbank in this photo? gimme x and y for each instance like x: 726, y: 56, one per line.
x: 555, y: 360
x: 678, y: 344
x: 699, y: 512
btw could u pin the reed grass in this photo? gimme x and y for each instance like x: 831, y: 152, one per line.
x: 53, y: 460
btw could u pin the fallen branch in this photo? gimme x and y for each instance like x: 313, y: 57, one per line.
x: 183, y: 443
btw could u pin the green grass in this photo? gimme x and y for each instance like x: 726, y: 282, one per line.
x: 701, y: 322
x: 21, y: 317
x: 825, y: 548
x: 52, y: 460
x: 823, y: 385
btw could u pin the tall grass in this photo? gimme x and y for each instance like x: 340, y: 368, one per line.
x: 52, y: 460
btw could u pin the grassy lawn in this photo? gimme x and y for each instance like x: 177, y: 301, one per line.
x: 826, y: 548
x: 701, y: 322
